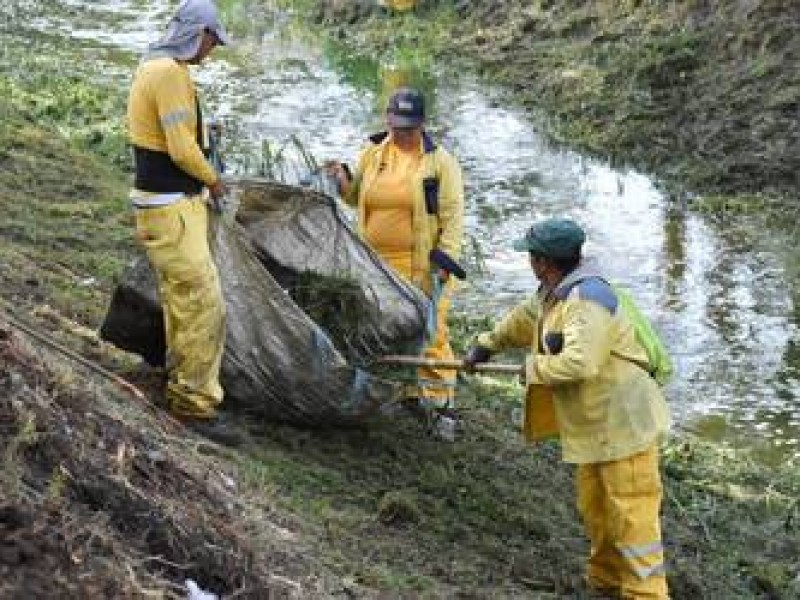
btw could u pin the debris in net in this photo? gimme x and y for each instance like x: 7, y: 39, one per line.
x: 337, y: 301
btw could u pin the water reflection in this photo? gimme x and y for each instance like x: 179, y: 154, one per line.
x: 675, y: 233
x: 379, y: 77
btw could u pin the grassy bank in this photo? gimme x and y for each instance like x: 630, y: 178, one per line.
x: 65, y: 228
x: 704, y: 95
x: 101, y: 495
x: 104, y: 492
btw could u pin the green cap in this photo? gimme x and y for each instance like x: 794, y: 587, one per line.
x: 554, y: 238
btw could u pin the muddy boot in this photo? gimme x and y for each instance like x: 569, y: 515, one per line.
x: 444, y: 428
x: 151, y: 381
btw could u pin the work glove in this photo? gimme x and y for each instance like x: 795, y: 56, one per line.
x: 475, y: 355
x: 446, y: 263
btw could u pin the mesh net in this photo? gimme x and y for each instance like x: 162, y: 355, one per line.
x: 310, y: 308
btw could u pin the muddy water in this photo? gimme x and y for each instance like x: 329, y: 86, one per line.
x: 722, y: 291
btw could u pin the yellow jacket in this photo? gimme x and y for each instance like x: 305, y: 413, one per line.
x: 583, y: 350
x: 443, y: 229
x: 162, y: 116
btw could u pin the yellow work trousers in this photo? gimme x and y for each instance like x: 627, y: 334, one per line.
x: 176, y: 240
x: 434, y: 385
x: 619, y: 502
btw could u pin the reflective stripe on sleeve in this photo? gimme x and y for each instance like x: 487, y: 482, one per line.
x: 658, y: 570
x: 175, y: 117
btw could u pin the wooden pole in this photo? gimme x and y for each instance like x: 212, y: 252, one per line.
x: 418, y: 361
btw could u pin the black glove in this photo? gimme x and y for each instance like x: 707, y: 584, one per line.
x: 476, y: 354
x: 443, y: 260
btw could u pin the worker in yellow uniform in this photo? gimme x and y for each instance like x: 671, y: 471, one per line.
x: 410, y: 199
x: 174, y: 184
x: 586, y: 366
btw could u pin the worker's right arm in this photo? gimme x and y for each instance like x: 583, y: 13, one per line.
x: 517, y: 329
x: 350, y: 191
x: 177, y: 112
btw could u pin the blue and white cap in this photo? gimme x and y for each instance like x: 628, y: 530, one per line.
x: 406, y: 108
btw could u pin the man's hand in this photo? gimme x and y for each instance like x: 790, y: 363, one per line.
x: 340, y: 173
x: 475, y: 355
x: 217, y: 191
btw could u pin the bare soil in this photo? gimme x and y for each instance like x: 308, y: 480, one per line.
x: 106, y: 498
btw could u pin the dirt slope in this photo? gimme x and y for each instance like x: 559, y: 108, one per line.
x: 103, y: 497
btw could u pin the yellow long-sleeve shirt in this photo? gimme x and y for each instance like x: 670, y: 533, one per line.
x: 162, y: 116
x: 389, y: 204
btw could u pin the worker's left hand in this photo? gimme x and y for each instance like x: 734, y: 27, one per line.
x: 217, y: 192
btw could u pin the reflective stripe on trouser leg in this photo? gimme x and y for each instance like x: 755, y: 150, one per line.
x: 438, y: 385
x: 633, y: 498
x: 636, y: 497
x: 176, y: 240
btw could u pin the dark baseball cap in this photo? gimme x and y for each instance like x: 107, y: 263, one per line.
x: 406, y: 108
x: 554, y: 238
